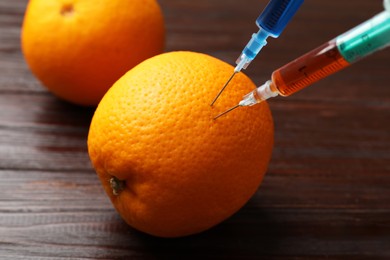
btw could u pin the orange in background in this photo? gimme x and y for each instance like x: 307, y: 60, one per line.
x: 79, y: 48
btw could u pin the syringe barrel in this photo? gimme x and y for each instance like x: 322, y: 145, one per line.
x: 271, y: 22
x: 309, y: 68
x: 359, y: 42
x: 276, y: 15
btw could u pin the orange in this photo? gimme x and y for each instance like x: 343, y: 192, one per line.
x: 79, y: 48
x: 170, y: 169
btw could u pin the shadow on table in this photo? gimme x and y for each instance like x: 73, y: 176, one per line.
x: 249, y: 233
x: 55, y: 111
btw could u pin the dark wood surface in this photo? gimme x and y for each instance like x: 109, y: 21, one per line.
x: 327, y: 190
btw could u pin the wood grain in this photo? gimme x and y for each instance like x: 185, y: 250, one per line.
x: 327, y: 190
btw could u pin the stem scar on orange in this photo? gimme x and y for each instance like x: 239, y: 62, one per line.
x: 79, y: 48
x: 169, y: 169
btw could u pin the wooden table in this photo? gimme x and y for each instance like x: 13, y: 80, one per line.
x: 327, y: 190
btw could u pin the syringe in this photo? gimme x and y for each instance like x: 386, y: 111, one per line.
x: 361, y: 41
x: 271, y: 22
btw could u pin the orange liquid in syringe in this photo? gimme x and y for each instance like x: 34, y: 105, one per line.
x: 309, y: 68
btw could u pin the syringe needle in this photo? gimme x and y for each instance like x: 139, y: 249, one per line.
x: 271, y: 22
x: 223, y: 88
x: 227, y: 111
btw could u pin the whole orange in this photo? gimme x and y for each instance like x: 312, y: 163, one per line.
x: 170, y: 169
x: 79, y: 48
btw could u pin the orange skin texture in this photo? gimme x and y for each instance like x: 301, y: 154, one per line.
x: 79, y: 48
x: 182, y: 171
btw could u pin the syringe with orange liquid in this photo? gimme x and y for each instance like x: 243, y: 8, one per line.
x: 359, y: 42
